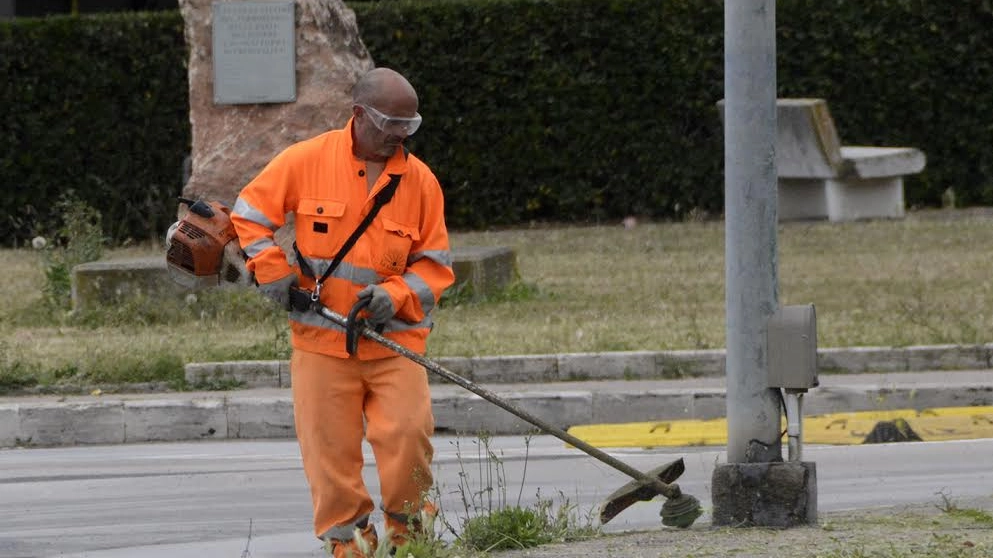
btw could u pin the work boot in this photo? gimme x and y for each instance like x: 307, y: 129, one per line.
x: 403, y: 527
x: 350, y: 548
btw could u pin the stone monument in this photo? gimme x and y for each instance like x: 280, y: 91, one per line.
x: 233, y: 142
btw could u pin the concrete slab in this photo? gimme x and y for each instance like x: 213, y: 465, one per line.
x: 690, y: 364
x: 10, y: 425
x: 483, y: 270
x: 948, y: 357
x: 70, y: 423
x: 267, y: 412
x: 625, y: 365
x: 245, y: 373
x: 857, y: 360
x: 260, y: 417
x: 610, y: 406
x: 637, y: 365
x: 511, y: 369
x: 112, y: 281
x: 161, y: 420
x: 285, y: 378
x: 471, y: 414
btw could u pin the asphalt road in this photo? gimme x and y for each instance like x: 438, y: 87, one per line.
x: 249, y: 498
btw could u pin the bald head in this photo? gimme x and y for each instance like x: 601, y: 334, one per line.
x: 384, y: 92
x: 384, y: 88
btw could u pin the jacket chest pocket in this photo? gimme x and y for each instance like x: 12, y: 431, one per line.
x: 318, y: 226
x: 395, y: 249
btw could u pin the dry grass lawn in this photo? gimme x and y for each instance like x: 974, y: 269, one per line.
x: 658, y: 286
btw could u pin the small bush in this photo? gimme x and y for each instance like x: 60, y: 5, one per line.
x: 78, y: 240
x: 15, y: 374
x: 507, y: 528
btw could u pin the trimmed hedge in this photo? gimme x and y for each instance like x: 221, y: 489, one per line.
x: 95, y: 107
x: 558, y: 110
x: 572, y: 110
x: 589, y: 109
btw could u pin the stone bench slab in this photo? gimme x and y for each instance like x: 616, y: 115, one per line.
x: 880, y: 162
x: 482, y: 271
x: 818, y: 178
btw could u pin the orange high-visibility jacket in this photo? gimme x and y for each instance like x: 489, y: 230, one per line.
x: 405, y: 249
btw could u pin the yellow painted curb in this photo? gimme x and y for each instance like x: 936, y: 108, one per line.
x: 948, y: 423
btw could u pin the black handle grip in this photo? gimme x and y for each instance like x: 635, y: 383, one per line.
x: 354, y: 324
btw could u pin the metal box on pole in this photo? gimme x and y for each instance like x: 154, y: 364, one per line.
x: 791, y: 347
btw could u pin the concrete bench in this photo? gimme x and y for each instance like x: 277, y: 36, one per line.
x: 818, y: 178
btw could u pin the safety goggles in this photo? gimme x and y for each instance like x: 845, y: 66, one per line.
x: 393, y: 125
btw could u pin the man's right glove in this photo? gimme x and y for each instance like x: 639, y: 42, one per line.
x: 380, y: 307
x: 279, y: 290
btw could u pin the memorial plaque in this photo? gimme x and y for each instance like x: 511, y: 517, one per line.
x: 254, y: 52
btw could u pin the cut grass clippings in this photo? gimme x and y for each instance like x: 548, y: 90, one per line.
x: 923, y: 280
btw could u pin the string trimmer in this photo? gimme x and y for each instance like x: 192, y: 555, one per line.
x: 203, y: 251
x: 679, y: 510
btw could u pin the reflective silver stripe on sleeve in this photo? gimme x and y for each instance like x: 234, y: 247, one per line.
x: 421, y: 289
x: 256, y: 248
x: 245, y: 210
x: 442, y: 257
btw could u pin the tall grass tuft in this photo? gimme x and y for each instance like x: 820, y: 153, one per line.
x: 78, y: 240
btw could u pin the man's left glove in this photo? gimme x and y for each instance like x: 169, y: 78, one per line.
x: 279, y: 290
x: 380, y: 307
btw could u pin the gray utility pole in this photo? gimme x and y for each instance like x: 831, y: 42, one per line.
x: 755, y: 486
x: 750, y: 206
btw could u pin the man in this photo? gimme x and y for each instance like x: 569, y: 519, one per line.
x: 399, y: 266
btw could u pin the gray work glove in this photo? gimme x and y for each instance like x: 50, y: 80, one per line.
x: 279, y: 290
x: 380, y: 308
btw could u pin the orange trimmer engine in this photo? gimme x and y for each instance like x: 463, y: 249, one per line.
x: 197, y: 247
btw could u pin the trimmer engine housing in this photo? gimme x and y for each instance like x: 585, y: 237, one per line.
x: 198, y: 245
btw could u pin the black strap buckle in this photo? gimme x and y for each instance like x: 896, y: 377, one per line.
x: 300, y: 299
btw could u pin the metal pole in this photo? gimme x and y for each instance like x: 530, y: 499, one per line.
x: 667, y: 490
x: 753, y: 410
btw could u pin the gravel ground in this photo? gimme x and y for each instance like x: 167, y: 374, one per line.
x: 926, y: 530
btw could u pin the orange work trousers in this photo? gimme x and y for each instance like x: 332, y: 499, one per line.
x: 335, y: 402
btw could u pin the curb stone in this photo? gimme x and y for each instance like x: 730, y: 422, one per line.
x: 614, y: 390
x: 626, y: 365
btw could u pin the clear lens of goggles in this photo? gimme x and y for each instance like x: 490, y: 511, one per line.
x: 393, y: 124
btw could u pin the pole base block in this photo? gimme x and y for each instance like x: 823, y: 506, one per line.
x: 778, y: 494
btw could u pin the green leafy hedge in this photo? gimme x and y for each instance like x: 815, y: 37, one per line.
x: 566, y: 110
x: 94, y: 108
x: 585, y: 109
x: 561, y: 110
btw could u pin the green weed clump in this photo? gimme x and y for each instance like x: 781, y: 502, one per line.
x: 491, y: 521
x: 507, y: 528
x: 952, y: 509
x: 78, y: 240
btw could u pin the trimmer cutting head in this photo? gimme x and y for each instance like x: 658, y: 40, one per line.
x: 680, y: 510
